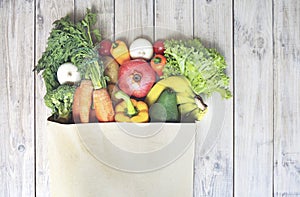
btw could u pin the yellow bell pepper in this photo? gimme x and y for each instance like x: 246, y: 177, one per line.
x: 120, y: 52
x: 130, y: 110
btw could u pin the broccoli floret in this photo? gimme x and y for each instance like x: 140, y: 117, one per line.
x: 60, y: 102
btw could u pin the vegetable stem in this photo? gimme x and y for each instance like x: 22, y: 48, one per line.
x: 115, y: 45
x: 157, y: 60
x: 131, y: 111
x: 89, y: 34
x: 96, y: 74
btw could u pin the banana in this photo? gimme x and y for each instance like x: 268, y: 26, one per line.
x: 154, y: 93
x: 196, y: 114
x: 193, y: 110
x: 182, y: 98
x: 199, y: 114
x: 179, y: 84
x: 190, y: 105
x: 186, y: 108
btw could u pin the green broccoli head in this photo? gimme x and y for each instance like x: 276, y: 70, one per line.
x: 60, y: 102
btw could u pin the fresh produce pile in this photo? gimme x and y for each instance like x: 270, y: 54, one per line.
x: 93, y: 80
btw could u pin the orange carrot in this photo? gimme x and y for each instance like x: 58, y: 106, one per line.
x: 101, y: 99
x: 93, y: 117
x: 75, y: 106
x: 85, y: 100
x: 103, y: 105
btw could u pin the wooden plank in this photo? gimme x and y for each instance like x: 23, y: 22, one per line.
x: 287, y: 97
x: 214, y: 169
x: 177, y: 22
x: 17, y: 98
x: 133, y: 19
x: 105, y: 14
x: 253, y: 57
x: 46, y: 13
x: 173, y: 19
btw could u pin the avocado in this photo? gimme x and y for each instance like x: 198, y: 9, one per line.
x: 165, y: 108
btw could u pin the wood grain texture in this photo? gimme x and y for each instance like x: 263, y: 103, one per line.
x: 264, y: 70
x: 105, y: 14
x: 133, y: 19
x: 214, y: 168
x: 253, y: 57
x: 173, y: 19
x: 46, y: 13
x: 178, y: 22
x: 17, y: 99
x: 287, y: 98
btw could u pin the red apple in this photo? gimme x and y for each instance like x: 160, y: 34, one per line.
x: 105, y: 46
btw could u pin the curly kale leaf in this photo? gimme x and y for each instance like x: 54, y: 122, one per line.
x: 68, y: 42
x: 204, y: 68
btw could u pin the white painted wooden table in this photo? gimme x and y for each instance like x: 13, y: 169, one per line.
x: 258, y: 152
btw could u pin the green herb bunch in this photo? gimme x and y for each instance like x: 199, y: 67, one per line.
x: 69, y: 42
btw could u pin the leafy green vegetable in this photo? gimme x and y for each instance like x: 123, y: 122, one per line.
x: 95, y: 72
x: 67, y: 42
x: 205, y: 68
x: 60, y: 101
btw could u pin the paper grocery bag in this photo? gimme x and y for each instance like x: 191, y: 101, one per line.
x: 121, y: 159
